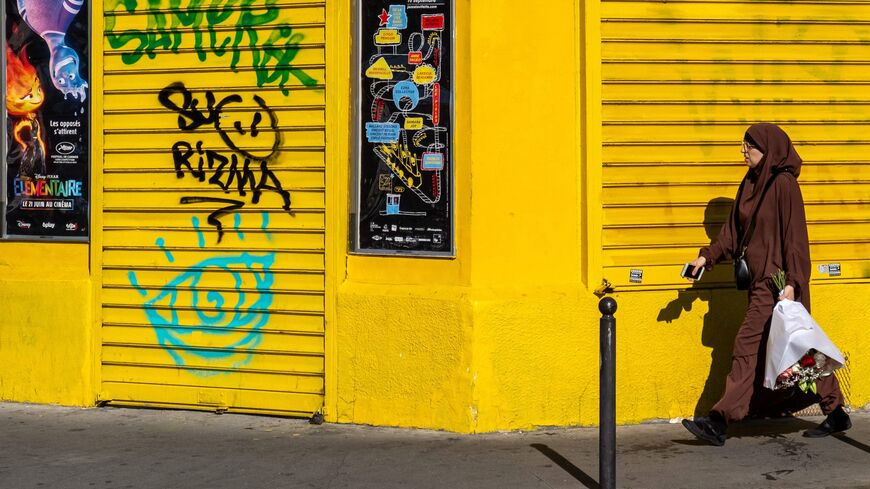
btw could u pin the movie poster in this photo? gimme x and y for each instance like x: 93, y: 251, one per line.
x: 47, y: 118
x: 405, y: 116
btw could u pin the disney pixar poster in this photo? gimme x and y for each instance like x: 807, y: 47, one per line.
x: 405, y: 167
x: 47, y: 118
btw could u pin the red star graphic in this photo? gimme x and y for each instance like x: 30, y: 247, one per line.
x: 385, y: 17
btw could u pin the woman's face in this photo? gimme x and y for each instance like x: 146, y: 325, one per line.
x: 751, y: 155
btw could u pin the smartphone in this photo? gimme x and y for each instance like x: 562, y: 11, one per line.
x: 687, y: 272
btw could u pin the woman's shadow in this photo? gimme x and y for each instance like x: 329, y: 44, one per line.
x: 725, y: 310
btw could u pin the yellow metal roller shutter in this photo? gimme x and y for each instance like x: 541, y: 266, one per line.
x: 682, y: 80
x: 213, y: 286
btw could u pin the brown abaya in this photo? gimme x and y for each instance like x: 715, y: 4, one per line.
x: 779, y: 241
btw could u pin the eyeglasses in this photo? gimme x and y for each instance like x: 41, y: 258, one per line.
x: 746, y: 147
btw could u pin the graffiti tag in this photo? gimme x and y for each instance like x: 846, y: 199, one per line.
x: 244, y: 169
x: 271, y: 57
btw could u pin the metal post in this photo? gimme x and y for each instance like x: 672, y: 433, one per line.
x: 607, y: 402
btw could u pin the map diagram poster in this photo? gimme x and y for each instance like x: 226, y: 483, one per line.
x: 405, y: 116
x: 47, y: 119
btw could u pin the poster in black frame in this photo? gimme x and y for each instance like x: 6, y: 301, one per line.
x: 46, y: 150
x: 404, y: 123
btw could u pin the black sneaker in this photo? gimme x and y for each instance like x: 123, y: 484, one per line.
x: 709, y: 430
x: 836, y: 422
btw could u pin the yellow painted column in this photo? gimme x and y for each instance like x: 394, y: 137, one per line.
x: 462, y: 344
x: 531, y: 310
x: 45, y: 334
x: 402, y: 332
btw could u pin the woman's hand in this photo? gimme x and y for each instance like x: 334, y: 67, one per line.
x: 787, y: 293
x: 696, y: 266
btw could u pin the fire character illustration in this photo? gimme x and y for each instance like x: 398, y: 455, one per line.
x: 50, y: 19
x: 23, y: 98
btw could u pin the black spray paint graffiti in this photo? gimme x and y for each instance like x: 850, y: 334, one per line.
x: 246, y: 168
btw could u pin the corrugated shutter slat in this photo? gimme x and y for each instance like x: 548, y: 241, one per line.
x: 190, y: 321
x: 682, y: 80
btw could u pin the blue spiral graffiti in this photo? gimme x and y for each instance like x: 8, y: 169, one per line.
x: 212, y: 309
x: 235, y: 317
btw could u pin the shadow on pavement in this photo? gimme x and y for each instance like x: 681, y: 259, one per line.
x: 774, y: 428
x: 567, y: 466
x: 855, y: 443
x: 752, y: 428
x: 692, y: 442
x: 771, y: 428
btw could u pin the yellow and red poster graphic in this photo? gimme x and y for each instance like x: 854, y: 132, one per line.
x: 47, y: 118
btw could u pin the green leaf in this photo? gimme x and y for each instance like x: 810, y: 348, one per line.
x: 813, y: 388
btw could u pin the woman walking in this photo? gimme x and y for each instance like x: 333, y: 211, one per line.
x: 769, y: 212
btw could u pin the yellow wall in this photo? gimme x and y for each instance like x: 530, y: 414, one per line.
x: 462, y: 344
x: 45, y: 334
x: 48, y: 328
x: 401, y: 336
x: 506, y: 335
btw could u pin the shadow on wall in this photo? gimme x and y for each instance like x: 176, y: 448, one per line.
x: 725, y: 310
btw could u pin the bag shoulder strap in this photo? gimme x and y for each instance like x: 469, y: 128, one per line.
x: 751, y: 228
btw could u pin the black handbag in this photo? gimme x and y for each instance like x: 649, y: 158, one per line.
x: 741, y: 273
x: 742, y: 277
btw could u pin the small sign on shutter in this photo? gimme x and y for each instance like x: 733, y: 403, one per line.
x: 636, y: 276
x: 834, y: 269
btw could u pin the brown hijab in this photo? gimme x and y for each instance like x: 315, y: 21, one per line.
x: 780, y: 240
x: 779, y: 155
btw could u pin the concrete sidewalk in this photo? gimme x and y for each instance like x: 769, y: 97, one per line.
x: 56, y: 447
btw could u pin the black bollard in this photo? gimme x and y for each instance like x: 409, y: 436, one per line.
x: 607, y: 402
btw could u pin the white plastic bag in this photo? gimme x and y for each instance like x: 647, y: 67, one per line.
x: 792, y: 333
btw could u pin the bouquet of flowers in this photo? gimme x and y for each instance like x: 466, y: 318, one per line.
x: 798, y: 351
x: 804, y: 373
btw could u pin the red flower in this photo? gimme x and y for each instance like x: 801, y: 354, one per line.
x: 808, y: 361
